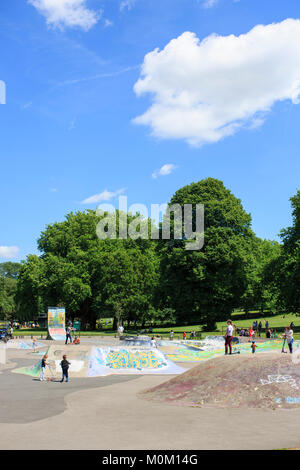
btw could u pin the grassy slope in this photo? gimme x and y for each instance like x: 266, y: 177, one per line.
x: 275, y: 321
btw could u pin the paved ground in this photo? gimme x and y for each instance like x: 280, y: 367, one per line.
x: 105, y: 413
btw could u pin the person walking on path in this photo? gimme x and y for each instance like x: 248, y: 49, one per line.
x: 68, y: 335
x: 65, y: 368
x: 229, y: 337
x: 44, y: 364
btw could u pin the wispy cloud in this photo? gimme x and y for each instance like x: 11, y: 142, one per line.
x: 108, y: 23
x: 26, y: 105
x: 67, y: 13
x: 104, y: 196
x: 99, y: 76
x: 164, y: 170
x: 9, y: 251
x: 129, y: 4
x: 209, y: 3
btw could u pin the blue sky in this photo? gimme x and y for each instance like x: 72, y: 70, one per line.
x: 84, y: 118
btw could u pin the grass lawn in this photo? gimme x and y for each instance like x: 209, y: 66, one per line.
x: 238, y: 318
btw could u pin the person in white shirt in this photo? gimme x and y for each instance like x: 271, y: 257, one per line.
x: 228, y: 337
x: 120, y: 331
x: 288, y: 334
x: 153, y: 342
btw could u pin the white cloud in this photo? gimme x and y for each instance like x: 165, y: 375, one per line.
x: 9, y: 252
x: 129, y: 4
x: 104, y: 196
x: 209, y: 3
x: 67, y: 13
x: 108, y: 23
x: 164, y: 170
x: 203, y: 91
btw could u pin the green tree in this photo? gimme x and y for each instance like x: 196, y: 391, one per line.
x: 206, y: 285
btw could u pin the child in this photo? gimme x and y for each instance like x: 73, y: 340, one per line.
x: 65, y: 368
x: 76, y: 340
x: 251, y: 333
x: 253, y: 347
x: 44, y: 364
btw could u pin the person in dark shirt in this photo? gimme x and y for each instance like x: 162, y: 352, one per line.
x: 65, y: 368
x: 43, y: 365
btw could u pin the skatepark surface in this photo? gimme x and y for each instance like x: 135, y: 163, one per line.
x: 110, y: 413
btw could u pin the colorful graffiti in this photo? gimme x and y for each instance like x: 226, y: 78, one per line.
x: 208, y: 349
x: 104, y: 361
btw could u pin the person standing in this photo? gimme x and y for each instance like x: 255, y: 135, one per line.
x: 251, y: 333
x: 171, y: 335
x: 65, y: 368
x: 68, y: 335
x: 44, y: 364
x: 289, y: 335
x: 120, y: 331
x: 153, y: 342
x: 229, y: 337
x: 259, y: 328
x: 184, y: 335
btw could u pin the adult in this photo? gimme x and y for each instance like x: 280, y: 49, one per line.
x: 267, y: 324
x: 289, y: 335
x: 68, y: 334
x: 120, y: 331
x: 153, y: 342
x: 171, y: 335
x: 259, y: 328
x: 184, y: 335
x: 228, y: 337
x: 268, y: 333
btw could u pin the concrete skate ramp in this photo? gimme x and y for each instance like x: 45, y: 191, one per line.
x: 257, y: 381
x: 106, y: 361
x: 24, y: 344
x: 77, y: 355
x: 91, y: 361
x: 136, y: 341
x: 57, y: 334
x: 202, y: 351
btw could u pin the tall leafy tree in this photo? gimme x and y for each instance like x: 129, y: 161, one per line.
x: 206, y: 285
